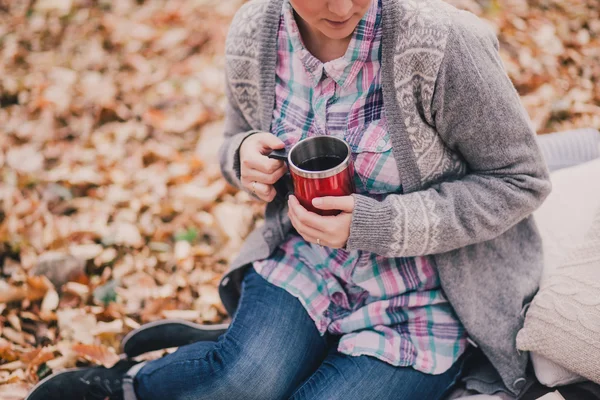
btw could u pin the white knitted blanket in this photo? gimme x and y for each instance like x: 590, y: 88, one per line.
x: 563, y: 321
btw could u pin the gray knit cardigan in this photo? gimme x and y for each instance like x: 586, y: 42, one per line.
x: 470, y: 166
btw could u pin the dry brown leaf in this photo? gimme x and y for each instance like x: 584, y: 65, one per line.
x: 37, y: 287
x: 15, y: 376
x: 34, y: 359
x: 10, y: 293
x: 114, y: 327
x: 131, y: 324
x: 14, y: 391
x: 50, y: 302
x: 77, y: 289
x: 189, y: 315
x: 33, y: 367
x: 14, y: 336
x: 85, y: 251
x: 126, y: 234
x: 14, y: 321
x: 25, y: 159
x: 67, y: 359
x: 202, y: 196
x: 234, y: 219
x: 154, y: 355
x: 97, y: 354
x: 7, y: 351
x: 183, y: 249
x: 61, y: 362
x: 76, y: 325
x: 13, y: 366
x: 62, y: 6
x: 107, y: 256
x: 27, y: 357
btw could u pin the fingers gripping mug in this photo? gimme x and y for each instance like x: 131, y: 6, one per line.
x: 318, y: 166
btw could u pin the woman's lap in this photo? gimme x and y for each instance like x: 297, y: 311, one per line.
x: 272, y: 350
x: 271, y: 346
x: 341, y: 376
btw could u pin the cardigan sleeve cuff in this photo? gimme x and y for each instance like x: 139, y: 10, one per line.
x: 371, y: 228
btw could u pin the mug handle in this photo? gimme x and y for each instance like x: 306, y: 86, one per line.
x: 279, y: 155
x: 284, y: 186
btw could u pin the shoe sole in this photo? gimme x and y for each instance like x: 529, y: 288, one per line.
x: 142, y: 340
x: 46, y: 379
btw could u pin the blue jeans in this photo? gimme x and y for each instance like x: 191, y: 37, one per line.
x: 272, y: 350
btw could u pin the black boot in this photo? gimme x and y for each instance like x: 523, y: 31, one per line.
x: 93, y: 383
x: 168, y: 333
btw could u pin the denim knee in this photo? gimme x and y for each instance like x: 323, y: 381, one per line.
x: 226, y: 372
x: 253, y: 382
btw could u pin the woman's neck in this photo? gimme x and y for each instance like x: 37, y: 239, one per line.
x: 319, y: 45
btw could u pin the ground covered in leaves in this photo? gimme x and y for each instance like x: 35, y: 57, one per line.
x: 113, y: 212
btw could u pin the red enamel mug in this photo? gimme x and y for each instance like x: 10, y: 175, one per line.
x: 318, y: 166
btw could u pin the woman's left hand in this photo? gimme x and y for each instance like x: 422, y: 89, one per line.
x: 331, y: 231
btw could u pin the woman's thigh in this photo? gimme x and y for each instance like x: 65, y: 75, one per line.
x: 341, y: 376
x: 270, y: 347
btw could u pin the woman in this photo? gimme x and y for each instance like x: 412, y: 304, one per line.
x: 436, y: 250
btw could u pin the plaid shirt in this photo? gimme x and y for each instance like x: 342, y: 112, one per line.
x: 389, y: 308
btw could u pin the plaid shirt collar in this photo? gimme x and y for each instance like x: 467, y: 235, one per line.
x: 344, y: 69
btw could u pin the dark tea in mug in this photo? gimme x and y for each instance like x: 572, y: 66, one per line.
x: 321, y: 163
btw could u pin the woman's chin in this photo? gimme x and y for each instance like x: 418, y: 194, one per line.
x: 337, y: 33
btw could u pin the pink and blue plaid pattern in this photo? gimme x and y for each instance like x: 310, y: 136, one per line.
x: 389, y: 308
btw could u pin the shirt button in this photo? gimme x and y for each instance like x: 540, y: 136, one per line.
x: 225, y: 281
x: 519, y: 383
x: 382, y: 143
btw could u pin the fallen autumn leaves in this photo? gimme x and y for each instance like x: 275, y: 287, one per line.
x: 113, y: 211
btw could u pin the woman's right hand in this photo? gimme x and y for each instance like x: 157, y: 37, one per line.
x: 258, y: 172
